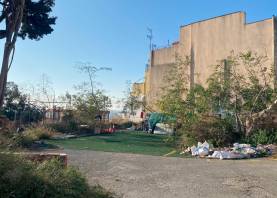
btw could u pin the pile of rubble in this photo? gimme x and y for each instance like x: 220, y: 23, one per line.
x: 238, y: 151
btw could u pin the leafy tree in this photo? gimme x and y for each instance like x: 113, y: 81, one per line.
x: 241, y: 93
x: 90, y: 102
x: 176, y: 88
x: 17, y: 108
x: 89, y: 86
x: 218, y: 113
x: 132, y: 101
x: 88, y: 107
x: 25, y: 19
x: 173, y: 103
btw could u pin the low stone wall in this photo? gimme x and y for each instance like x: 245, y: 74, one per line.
x: 41, y: 157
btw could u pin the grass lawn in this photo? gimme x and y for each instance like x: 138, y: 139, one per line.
x: 123, y: 142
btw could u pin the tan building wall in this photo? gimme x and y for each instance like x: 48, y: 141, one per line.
x: 207, y: 42
x: 138, y: 89
x: 160, y: 63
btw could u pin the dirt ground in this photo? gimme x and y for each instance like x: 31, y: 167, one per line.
x: 141, y: 176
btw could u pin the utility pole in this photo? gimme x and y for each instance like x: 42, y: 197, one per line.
x: 150, y: 37
x: 29, y: 106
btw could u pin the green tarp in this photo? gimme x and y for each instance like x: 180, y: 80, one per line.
x: 156, y: 118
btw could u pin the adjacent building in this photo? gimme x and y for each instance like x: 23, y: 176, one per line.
x: 206, y: 42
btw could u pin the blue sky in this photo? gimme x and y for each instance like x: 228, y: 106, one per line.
x: 112, y: 33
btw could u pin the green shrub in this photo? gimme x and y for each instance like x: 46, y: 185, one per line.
x: 17, y: 177
x: 20, y: 140
x: 64, y: 127
x: 262, y: 137
x: 23, y: 179
x: 27, y: 137
x: 4, y: 141
x: 39, y: 133
x: 187, y: 141
x: 218, y: 131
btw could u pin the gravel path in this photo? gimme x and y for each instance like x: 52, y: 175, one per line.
x: 139, y: 176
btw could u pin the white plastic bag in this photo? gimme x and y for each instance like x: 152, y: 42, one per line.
x: 194, y: 150
x: 206, y: 145
x: 199, y: 144
x: 227, y: 155
x: 203, y: 151
x: 236, y: 146
x: 234, y: 155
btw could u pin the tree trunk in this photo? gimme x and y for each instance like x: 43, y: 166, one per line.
x: 13, y: 23
x: 4, y: 71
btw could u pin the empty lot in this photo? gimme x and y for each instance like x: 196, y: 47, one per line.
x: 133, y: 175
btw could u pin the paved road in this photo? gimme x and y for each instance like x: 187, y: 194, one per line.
x: 141, y: 176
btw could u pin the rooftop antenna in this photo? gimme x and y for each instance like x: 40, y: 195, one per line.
x: 150, y: 37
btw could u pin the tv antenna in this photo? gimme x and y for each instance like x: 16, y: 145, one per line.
x: 150, y: 37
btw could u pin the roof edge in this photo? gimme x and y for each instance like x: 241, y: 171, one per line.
x: 258, y: 21
x: 212, y: 18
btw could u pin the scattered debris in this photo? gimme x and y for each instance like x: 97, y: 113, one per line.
x: 238, y: 151
x: 201, y: 150
x: 227, y: 155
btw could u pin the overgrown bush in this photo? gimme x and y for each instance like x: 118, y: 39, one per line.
x: 27, y: 138
x: 5, y: 140
x: 23, y: 179
x: 68, y: 124
x: 262, y: 137
x: 60, y: 127
x: 231, y: 95
x: 218, y: 131
x: 20, y: 140
x: 38, y: 133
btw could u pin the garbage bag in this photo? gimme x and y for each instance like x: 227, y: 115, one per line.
x: 235, y: 155
x: 199, y: 144
x: 227, y: 155
x: 244, y: 145
x: 221, y: 154
x: 237, y: 146
x: 206, y: 145
x: 203, y: 151
x: 194, y: 150
x: 249, y: 150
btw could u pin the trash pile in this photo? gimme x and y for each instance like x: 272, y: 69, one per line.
x: 201, y: 150
x: 238, y: 151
